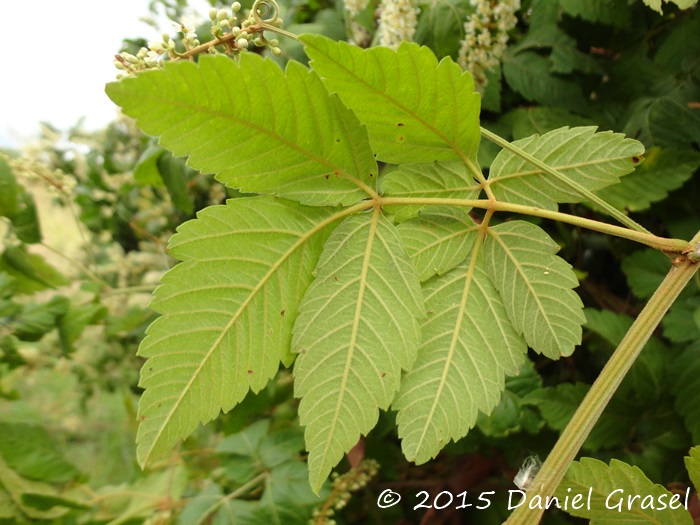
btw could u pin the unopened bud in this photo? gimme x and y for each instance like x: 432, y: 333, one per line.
x: 212, y: 13
x: 242, y: 43
x: 221, y: 14
x: 235, y: 7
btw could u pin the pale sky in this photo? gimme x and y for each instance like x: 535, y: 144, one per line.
x: 58, y: 56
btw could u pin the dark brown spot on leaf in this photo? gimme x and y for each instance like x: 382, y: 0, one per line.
x: 250, y: 372
x: 635, y: 159
x: 282, y: 313
x: 383, y: 375
x: 400, y: 124
x: 399, y: 138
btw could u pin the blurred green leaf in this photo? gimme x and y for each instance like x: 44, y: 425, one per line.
x: 146, y: 171
x: 30, y: 271
x: 8, y: 190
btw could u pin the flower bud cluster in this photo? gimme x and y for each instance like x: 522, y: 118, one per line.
x: 397, y: 22
x: 352, y: 481
x: 56, y: 181
x: 230, y: 38
x: 486, y: 36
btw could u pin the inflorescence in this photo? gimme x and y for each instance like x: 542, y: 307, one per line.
x: 230, y: 38
x: 343, y: 485
x: 486, y: 36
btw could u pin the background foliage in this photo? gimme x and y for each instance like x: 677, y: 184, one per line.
x: 70, y: 328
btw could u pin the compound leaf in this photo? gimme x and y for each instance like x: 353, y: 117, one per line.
x: 439, y: 240
x: 228, y: 311
x: 612, y: 486
x: 444, y: 180
x: 415, y: 109
x: 258, y: 128
x: 357, y: 329
x: 468, y: 347
x: 593, y: 160
x: 536, y: 287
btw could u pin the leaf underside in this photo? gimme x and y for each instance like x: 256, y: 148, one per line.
x: 357, y: 329
x: 589, y: 473
x: 536, y: 287
x: 258, y: 128
x: 415, y: 109
x: 592, y: 160
x: 438, y: 240
x: 227, y: 312
x: 468, y: 347
x: 445, y: 180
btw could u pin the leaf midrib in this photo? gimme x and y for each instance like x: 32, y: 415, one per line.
x: 392, y: 101
x: 521, y: 272
x: 354, y: 332
x: 251, y: 125
x: 207, y: 356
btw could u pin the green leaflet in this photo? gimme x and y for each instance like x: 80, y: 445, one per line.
x: 439, y: 240
x: 692, y: 463
x: 14, y: 487
x: 605, y: 11
x: 227, y: 313
x: 558, y: 404
x: 357, y: 329
x: 603, y: 480
x: 684, y: 377
x: 468, y: 347
x: 257, y: 128
x: 415, y: 109
x: 9, y: 204
x: 444, y: 180
x: 683, y: 4
x: 536, y: 287
x: 645, y: 270
x: 529, y: 73
x: 593, y: 160
x: 664, y: 170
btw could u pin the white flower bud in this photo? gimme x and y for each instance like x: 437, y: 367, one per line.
x: 276, y: 51
x: 242, y: 43
x: 235, y: 7
x: 212, y: 13
x: 222, y: 14
x: 156, y: 46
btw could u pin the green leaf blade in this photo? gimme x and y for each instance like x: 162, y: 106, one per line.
x: 603, y: 480
x: 443, y: 180
x: 228, y: 311
x: 415, y: 109
x: 439, y: 240
x: 536, y: 287
x: 257, y: 127
x: 357, y: 329
x: 592, y: 160
x: 468, y: 347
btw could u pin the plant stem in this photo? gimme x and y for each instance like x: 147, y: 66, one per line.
x: 585, y: 417
x: 614, y: 212
x: 658, y: 243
